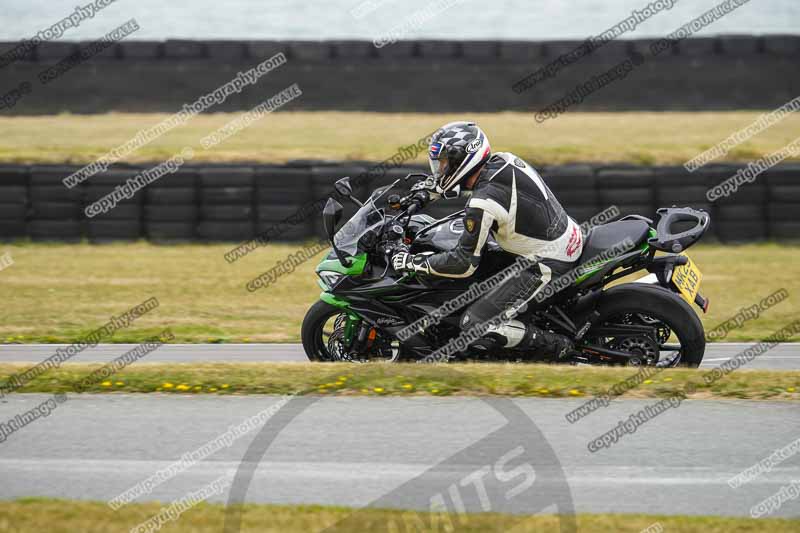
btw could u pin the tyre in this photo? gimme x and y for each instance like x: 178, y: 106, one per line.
x: 576, y: 197
x: 12, y: 230
x: 655, y: 302
x: 690, y: 194
x: 323, y: 340
x: 226, y: 177
x: 285, y: 197
x: 276, y: 213
x: 170, y: 213
x: 747, y: 194
x: 13, y: 211
x: 175, y: 195
x: 785, y: 193
x: 96, y: 192
x: 15, y: 194
x: 624, y: 178
x: 56, y: 210
x: 569, y: 177
x: 733, y: 231
x: 226, y: 195
x: 645, y: 210
x: 226, y: 212
x: 311, y: 332
x: 185, y: 178
x: 14, y: 175
x: 56, y: 230
x: 634, y: 195
x: 788, y: 212
x: 55, y: 193
x: 113, y: 230
x: 168, y: 232
x: 284, y: 233
x: 226, y: 231
x: 784, y: 230
x: 120, y: 212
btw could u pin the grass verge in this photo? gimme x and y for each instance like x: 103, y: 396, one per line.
x: 57, y: 293
x: 545, y: 381
x: 31, y: 515
x: 635, y: 137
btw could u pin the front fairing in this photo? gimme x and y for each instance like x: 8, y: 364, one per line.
x: 368, y: 219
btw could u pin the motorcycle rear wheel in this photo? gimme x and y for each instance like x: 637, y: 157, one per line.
x: 650, y: 302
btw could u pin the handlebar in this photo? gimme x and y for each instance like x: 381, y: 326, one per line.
x: 414, y: 201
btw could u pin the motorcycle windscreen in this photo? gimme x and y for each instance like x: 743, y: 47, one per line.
x: 366, y: 219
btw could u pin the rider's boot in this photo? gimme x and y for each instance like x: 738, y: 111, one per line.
x: 518, y: 336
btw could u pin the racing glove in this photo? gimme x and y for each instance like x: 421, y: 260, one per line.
x: 406, y: 262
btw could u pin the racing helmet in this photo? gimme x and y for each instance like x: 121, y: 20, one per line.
x: 456, y: 150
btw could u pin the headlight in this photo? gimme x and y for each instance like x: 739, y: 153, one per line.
x: 329, y: 278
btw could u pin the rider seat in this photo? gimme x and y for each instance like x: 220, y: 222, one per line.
x: 606, y: 236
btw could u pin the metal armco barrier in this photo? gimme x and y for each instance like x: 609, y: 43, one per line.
x: 234, y: 203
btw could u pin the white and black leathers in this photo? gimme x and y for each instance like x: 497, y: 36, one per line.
x: 511, y: 199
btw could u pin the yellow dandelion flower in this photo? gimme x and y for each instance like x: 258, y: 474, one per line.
x: 434, y: 391
x: 544, y: 391
x: 182, y: 386
x: 791, y: 389
x: 106, y: 384
x: 119, y: 383
x: 667, y: 379
x: 647, y: 381
x: 342, y: 378
x: 213, y: 389
x: 225, y: 385
x: 167, y: 385
x: 408, y: 386
x: 575, y: 392
x: 378, y: 389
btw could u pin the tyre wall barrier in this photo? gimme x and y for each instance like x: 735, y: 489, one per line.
x: 722, y: 72
x: 283, y: 203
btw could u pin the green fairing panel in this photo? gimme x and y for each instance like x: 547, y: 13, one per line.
x: 330, y: 299
x: 586, y: 275
x: 333, y: 265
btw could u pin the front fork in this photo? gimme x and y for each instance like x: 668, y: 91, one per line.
x: 358, y: 334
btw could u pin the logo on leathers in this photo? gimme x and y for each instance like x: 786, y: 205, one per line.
x: 574, y: 243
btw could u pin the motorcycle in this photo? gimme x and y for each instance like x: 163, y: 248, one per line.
x: 369, y: 312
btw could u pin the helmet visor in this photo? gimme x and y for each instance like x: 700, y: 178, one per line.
x: 437, y: 159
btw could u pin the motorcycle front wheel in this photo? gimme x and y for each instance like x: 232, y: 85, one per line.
x: 323, y: 337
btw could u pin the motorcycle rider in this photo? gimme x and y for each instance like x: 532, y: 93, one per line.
x: 509, y: 197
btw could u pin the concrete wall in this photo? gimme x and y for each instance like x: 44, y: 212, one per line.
x: 726, y: 72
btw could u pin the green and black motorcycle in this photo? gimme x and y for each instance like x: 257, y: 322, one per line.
x: 366, y: 308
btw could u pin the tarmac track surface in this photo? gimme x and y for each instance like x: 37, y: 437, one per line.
x: 783, y: 357
x: 352, y: 451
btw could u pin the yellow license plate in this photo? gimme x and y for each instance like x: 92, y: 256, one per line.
x: 687, y: 278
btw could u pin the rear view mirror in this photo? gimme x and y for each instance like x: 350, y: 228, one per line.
x: 343, y: 187
x: 331, y: 215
